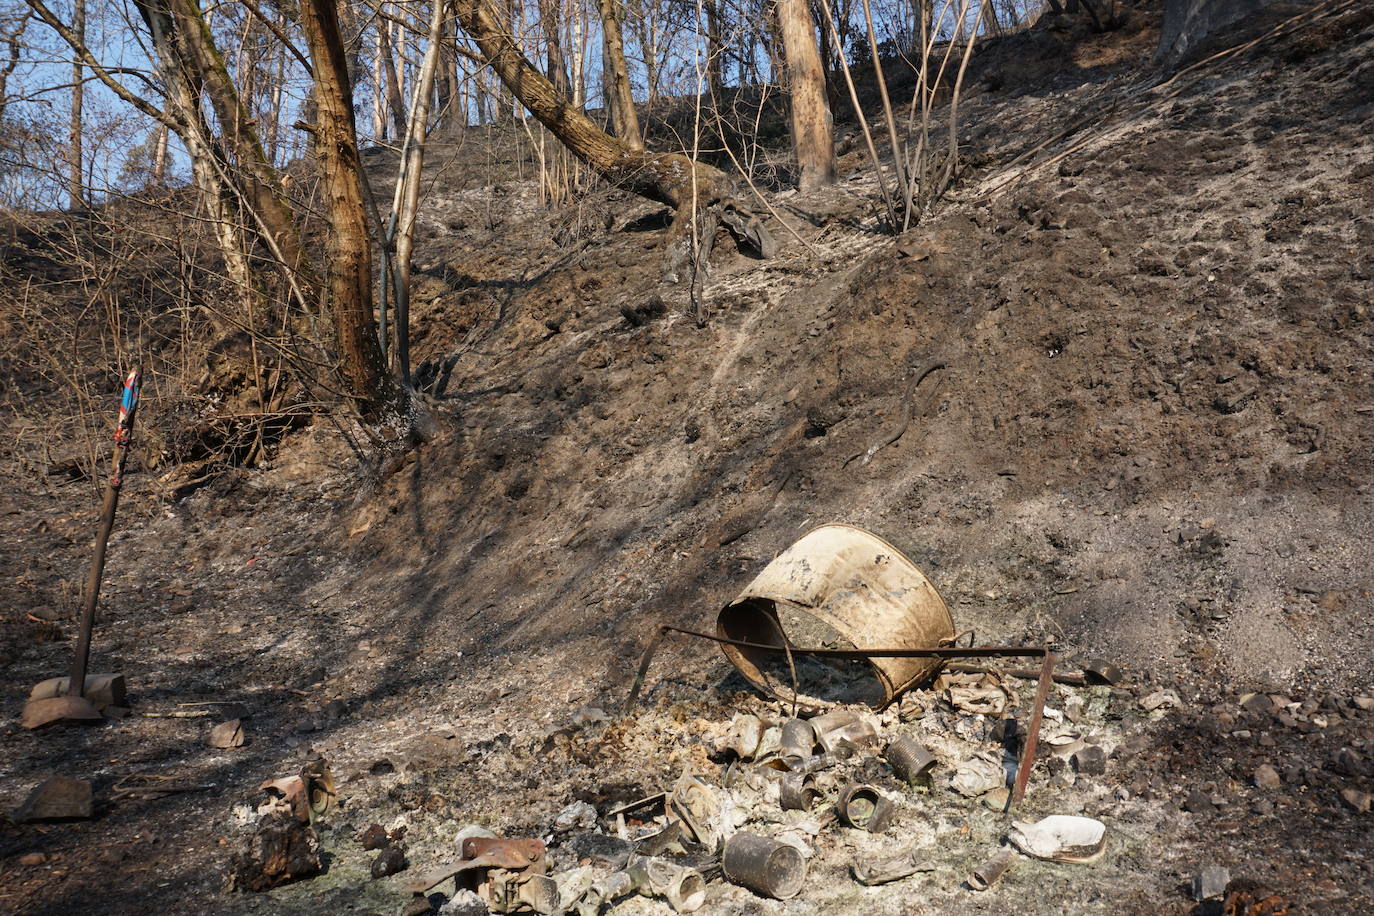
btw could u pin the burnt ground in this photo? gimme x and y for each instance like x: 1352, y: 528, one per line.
x: 1151, y: 442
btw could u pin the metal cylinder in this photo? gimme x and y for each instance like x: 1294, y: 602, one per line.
x: 798, y: 792
x: 864, y: 808
x: 845, y: 740
x: 991, y: 871
x: 909, y: 760
x: 798, y: 738
x: 765, y: 866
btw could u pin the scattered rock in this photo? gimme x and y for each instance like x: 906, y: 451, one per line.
x: 577, y: 816
x: 281, y: 849
x: 58, y: 798
x: 464, y: 903
x: 227, y: 734
x: 33, y: 858
x: 417, y: 906
x: 383, y: 767
x: 1266, y: 777
x: 388, y: 862
x: 1198, y: 802
x: 1160, y: 699
x: 1357, y: 800
x: 1211, y: 882
x: 1091, y: 760
x: 374, y: 837
x: 589, y: 715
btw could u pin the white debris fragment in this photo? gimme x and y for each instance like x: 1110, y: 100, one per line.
x: 1061, y: 838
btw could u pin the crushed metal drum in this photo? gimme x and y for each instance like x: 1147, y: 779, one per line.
x: 764, y: 866
x: 910, y: 761
x: 864, y: 808
x: 309, y: 795
x: 854, y: 583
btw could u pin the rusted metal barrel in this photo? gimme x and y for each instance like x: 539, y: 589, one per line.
x: 856, y: 584
x: 764, y: 866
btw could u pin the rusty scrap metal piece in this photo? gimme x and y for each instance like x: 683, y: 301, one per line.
x: 872, y: 874
x: 943, y: 652
x: 1098, y: 671
x: 798, y: 792
x: 309, y: 795
x: 863, y: 807
x: 683, y: 888
x: 1252, y: 899
x: 909, y: 760
x: 991, y: 871
x: 766, y: 867
x: 55, y: 710
x: 484, y: 854
x: 853, y: 582
x: 845, y: 740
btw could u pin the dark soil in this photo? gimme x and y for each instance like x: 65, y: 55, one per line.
x: 1151, y: 442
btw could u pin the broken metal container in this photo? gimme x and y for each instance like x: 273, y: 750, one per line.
x: 798, y: 738
x: 1061, y: 838
x: 864, y: 808
x: 798, y: 792
x: 765, y: 866
x: 684, y: 888
x: 991, y: 871
x: 855, y: 584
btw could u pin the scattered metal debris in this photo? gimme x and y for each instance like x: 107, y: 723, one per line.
x: 910, y: 761
x: 864, y: 808
x: 510, y: 875
x: 991, y: 871
x: 766, y: 867
x: 280, y: 849
x: 798, y: 792
x: 889, y: 870
x: 308, y: 796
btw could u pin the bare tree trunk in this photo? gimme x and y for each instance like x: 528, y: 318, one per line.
x: 407, y: 199
x: 557, y: 66
x: 670, y: 178
x: 621, y: 98
x: 715, y: 51
x: 350, y: 252
x: 158, y: 178
x: 76, y: 197
x: 811, y: 121
x: 393, y: 86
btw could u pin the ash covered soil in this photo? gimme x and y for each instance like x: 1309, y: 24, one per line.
x: 1151, y: 442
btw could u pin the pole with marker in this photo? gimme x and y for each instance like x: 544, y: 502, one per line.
x: 123, y: 437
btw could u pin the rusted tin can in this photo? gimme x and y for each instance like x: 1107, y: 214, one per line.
x: 864, y: 808
x: 798, y: 792
x: 909, y: 760
x: 765, y: 866
x: 798, y: 738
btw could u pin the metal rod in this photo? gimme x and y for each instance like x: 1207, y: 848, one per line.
x: 1032, y: 732
x: 128, y: 406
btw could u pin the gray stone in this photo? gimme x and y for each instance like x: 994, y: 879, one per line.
x: 1198, y: 802
x: 1091, y: 761
x: 1266, y: 777
x: 1211, y: 882
x: 59, y: 798
x: 464, y: 903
